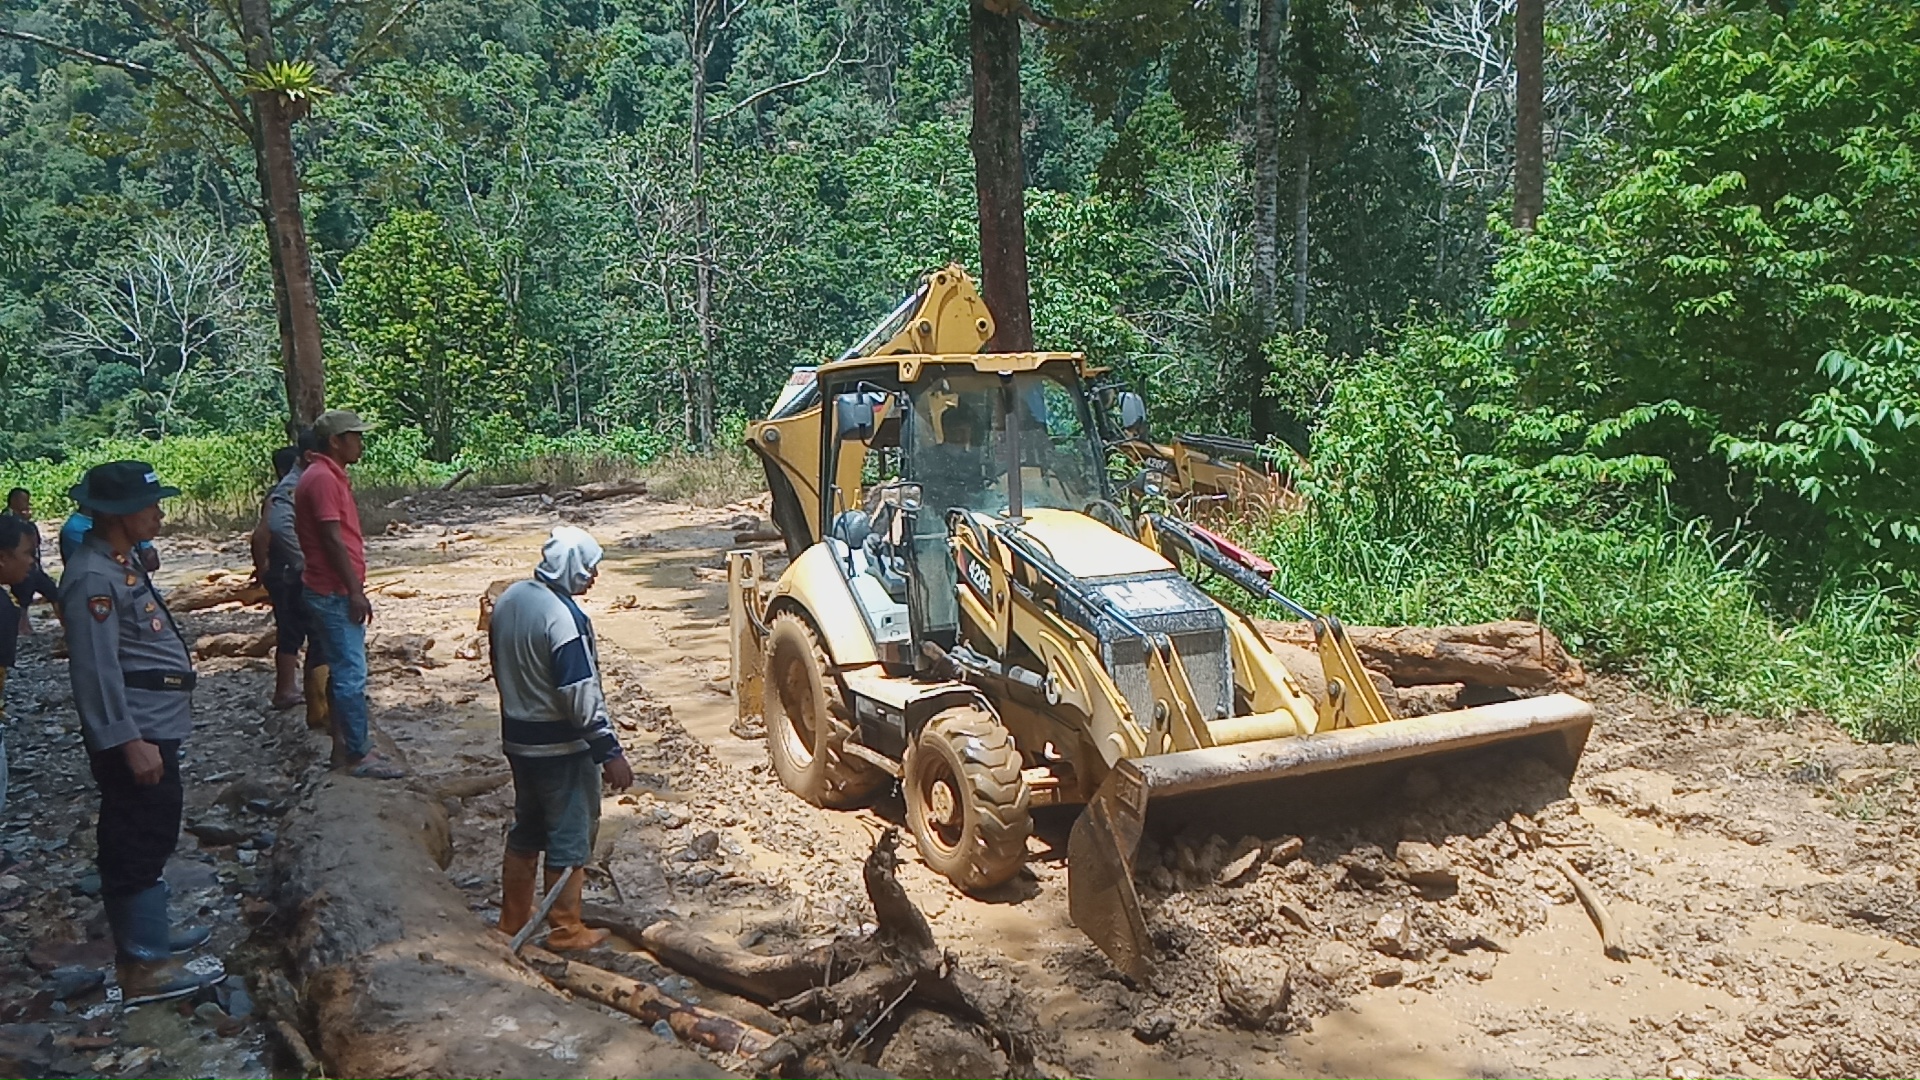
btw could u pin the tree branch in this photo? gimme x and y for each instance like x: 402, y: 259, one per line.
x: 789, y: 84
x: 77, y: 53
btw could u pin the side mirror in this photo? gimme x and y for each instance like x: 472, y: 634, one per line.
x: 853, y: 416
x: 1133, y: 410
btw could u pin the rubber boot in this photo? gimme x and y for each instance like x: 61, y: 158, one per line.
x: 565, y: 931
x: 517, y: 872
x: 319, y: 716
x: 143, y: 945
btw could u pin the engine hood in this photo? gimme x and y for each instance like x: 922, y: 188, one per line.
x: 1087, y: 549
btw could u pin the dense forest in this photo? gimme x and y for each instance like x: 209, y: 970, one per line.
x: 1651, y: 377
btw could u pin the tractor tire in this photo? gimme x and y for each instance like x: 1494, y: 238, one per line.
x: 808, y: 722
x: 967, y: 801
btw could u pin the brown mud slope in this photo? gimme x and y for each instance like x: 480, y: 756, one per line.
x: 1762, y: 875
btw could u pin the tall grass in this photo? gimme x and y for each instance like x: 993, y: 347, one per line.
x: 1677, y: 608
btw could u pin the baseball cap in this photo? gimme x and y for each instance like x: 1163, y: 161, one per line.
x: 338, y: 422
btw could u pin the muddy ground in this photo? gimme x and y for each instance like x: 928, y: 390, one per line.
x: 1762, y: 874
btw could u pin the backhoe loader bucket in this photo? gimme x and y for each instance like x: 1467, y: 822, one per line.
x: 1295, y: 775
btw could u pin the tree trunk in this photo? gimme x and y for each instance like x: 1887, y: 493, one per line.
x: 1305, y: 72
x: 999, y: 173
x: 299, y: 308
x: 1302, y: 202
x: 702, y: 405
x: 1264, y: 282
x: 1529, y: 159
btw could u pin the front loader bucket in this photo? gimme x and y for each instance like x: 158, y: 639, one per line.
x: 1298, y: 772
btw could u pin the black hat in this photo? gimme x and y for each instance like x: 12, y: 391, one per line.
x: 120, y: 487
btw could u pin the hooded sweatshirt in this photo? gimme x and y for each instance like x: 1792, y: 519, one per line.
x: 545, y: 659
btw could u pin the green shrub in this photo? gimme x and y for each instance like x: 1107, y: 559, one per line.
x: 218, y: 475
x: 1423, y: 511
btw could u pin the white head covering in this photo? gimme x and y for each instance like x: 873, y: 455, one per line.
x: 568, y: 560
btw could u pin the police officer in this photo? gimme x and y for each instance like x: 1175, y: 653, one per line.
x: 133, y: 688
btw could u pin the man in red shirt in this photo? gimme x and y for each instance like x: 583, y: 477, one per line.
x: 327, y: 522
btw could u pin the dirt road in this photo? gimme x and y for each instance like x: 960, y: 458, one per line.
x: 1763, y: 876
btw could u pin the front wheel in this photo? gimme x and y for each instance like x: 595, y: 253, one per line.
x: 807, y: 720
x: 967, y: 801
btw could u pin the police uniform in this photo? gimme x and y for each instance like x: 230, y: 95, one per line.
x: 132, y: 679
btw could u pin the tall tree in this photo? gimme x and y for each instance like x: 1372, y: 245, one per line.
x: 276, y: 95
x: 1270, y: 23
x: 1529, y: 160
x: 999, y: 171
x: 228, y: 78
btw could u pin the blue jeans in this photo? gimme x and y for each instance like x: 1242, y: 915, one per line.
x: 344, y: 644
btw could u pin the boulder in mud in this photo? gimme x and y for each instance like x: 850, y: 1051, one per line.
x: 936, y: 1046
x: 1254, y: 986
x: 1424, y: 865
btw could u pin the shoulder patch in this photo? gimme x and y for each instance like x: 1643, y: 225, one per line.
x: 100, y: 606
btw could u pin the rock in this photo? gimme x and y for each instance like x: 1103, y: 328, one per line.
x: 1480, y: 967
x: 213, y: 832
x: 1387, y: 975
x: 208, y: 1012
x: 1424, y: 865
x: 937, y: 1046
x: 1334, y: 960
x: 1687, y: 1069
x: 1239, y: 868
x: 30, y: 1050
x: 245, y: 792
x: 703, y: 846
x: 73, y: 980
x: 1153, y: 1026
x: 1392, y: 934
x: 1254, y: 989
x: 88, y: 885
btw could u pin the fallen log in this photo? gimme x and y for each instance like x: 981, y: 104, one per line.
x: 239, y: 643
x: 218, y: 587
x: 850, y: 986
x: 646, y: 1003
x: 757, y: 535
x: 1510, y: 653
x: 610, y: 489
x: 516, y: 491
x: 454, y: 481
x: 765, y: 979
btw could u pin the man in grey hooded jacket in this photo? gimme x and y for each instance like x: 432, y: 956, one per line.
x: 556, y: 732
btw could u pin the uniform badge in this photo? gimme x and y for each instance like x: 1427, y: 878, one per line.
x: 156, y: 624
x: 149, y: 606
x: 131, y: 580
x: 100, y: 606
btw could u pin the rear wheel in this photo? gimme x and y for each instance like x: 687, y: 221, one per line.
x: 808, y: 722
x: 967, y: 802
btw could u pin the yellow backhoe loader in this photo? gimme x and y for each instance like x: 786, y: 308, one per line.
x: 968, y: 613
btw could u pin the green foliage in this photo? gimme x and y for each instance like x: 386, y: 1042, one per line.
x: 430, y: 347
x: 1748, y: 271
x: 1423, y: 509
x: 216, y: 474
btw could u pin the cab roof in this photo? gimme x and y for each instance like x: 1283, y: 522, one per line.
x: 909, y: 365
